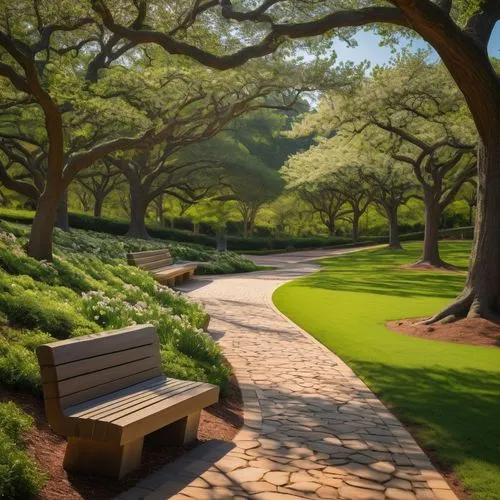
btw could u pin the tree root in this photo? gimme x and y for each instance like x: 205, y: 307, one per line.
x: 459, y: 309
x: 428, y: 264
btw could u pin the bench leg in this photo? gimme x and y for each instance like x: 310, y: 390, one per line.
x: 183, y: 431
x: 179, y: 280
x: 101, y: 458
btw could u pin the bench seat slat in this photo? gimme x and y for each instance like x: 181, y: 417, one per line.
x: 137, y: 398
x: 157, y: 397
x: 109, y: 399
x: 151, y: 266
x: 156, y: 416
x: 173, y: 270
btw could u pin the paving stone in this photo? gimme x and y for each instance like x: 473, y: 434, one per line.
x: 306, y: 464
x: 364, y: 483
x: 366, y: 473
x: 397, y: 494
x: 400, y: 484
x: 248, y: 445
x: 277, y: 478
x: 339, y: 471
x: 247, y: 474
x: 229, y: 463
x: 354, y: 493
x: 275, y: 496
x: 216, y: 479
x: 386, y: 467
x: 444, y: 495
x: 270, y: 465
x: 306, y: 486
x: 327, y: 492
x: 438, y: 484
x: 258, y: 487
x: 425, y: 494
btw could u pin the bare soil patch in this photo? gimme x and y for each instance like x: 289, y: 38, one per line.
x: 220, y: 421
x: 474, y: 331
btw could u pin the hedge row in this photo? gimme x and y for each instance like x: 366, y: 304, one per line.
x: 236, y: 243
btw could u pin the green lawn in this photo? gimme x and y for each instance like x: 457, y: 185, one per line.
x: 448, y: 393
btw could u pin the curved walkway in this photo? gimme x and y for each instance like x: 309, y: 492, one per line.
x: 312, y: 428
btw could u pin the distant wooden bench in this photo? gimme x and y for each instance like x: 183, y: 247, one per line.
x: 160, y: 264
x: 106, y: 391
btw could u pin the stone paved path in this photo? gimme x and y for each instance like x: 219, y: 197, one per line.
x: 312, y: 428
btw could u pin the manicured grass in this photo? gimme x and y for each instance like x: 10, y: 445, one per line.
x: 448, y: 393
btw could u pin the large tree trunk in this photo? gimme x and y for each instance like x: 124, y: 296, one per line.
x: 431, y: 236
x: 330, y: 224
x: 481, y: 295
x: 245, y: 227
x: 160, y: 214
x: 40, y: 242
x: 355, y: 227
x: 138, y: 207
x: 62, y: 217
x: 98, y: 203
x: 392, y: 218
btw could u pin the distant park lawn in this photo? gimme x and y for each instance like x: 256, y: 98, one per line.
x: 448, y: 393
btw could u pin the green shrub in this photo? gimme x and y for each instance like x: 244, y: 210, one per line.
x: 19, y: 368
x: 19, y: 476
x: 30, y: 339
x: 178, y: 365
x: 14, y: 261
x: 31, y: 310
x: 14, y: 422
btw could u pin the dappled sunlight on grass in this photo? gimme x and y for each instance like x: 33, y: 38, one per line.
x: 448, y: 393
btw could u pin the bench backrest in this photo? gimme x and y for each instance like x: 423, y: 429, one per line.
x: 150, y: 260
x: 83, y: 368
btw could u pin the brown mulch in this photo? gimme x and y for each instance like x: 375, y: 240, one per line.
x: 474, y: 331
x: 220, y: 421
x: 425, y: 266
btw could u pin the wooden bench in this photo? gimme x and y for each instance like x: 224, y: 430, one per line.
x: 106, y: 391
x: 160, y: 264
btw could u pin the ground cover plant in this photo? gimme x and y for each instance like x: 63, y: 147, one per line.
x: 90, y: 288
x: 446, y: 392
x: 19, y: 477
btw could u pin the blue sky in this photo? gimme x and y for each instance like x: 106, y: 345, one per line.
x: 368, y: 48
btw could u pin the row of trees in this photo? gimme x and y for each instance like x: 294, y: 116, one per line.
x: 403, y: 133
